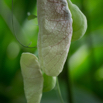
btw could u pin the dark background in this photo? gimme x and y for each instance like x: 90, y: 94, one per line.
x: 85, y: 59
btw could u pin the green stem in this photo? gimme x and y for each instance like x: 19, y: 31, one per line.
x: 67, y: 79
x: 59, y: 92
x: 69, y: 86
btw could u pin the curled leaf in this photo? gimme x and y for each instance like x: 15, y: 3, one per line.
x: 55, y: 32
x: 32, y: 76
x: 79, y: 21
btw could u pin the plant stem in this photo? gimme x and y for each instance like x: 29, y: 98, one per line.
x: 59, y: 92
x: 68, y: 82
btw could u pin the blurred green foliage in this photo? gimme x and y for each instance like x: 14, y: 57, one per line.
x: 85, y: 59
